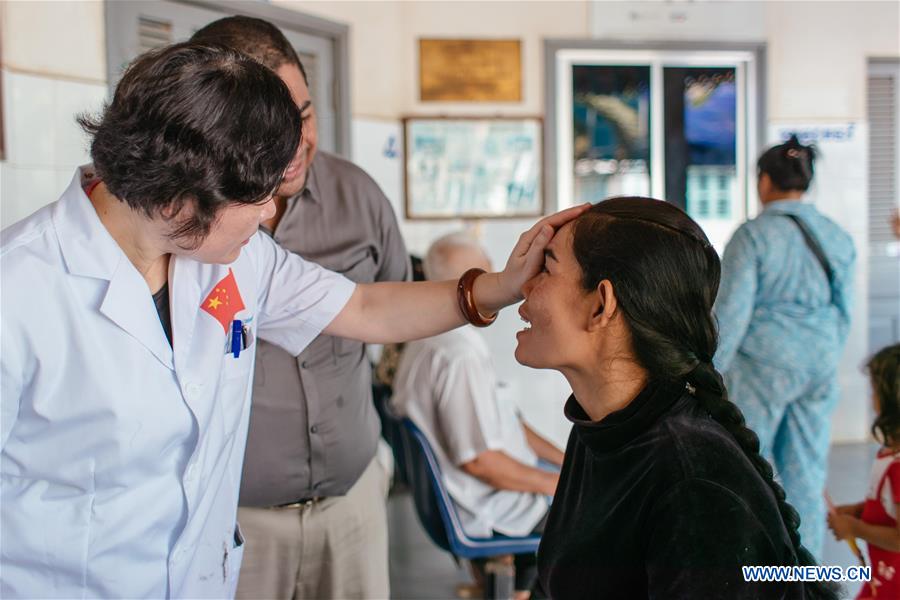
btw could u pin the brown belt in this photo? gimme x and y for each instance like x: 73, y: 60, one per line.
x: 304, y: 503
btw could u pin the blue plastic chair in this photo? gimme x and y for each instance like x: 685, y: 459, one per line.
x: 436, y: 510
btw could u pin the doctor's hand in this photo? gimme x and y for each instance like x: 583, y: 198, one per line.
x: 524, y: 261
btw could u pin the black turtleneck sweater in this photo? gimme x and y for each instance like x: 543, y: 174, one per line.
x: 657, y: 500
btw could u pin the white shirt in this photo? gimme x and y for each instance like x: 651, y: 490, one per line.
x: 446, y: 385
x: 121, y: 456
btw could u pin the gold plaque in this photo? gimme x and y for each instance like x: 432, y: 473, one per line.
x: 470, y: 70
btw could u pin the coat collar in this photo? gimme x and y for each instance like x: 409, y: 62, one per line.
x: 90, y: 251
x: 87, y: 247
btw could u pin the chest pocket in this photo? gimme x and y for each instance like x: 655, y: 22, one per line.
x: 234, y: 381
x: 361, y: 266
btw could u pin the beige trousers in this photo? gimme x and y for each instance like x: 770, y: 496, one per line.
x: 335, y: 548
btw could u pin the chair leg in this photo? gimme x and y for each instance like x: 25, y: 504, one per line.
x: 500, y: 574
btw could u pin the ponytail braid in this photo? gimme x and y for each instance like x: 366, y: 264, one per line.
x: 708, y: 386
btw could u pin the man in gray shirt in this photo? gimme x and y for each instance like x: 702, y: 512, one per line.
x: 312, y: 504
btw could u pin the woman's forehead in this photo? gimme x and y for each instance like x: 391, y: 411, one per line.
x: 562, y: 241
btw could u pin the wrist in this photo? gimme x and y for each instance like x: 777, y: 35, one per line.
x: 473, y: 311
x: 490, y: 295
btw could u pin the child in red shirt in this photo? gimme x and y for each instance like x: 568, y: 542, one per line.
x: 875, y: 520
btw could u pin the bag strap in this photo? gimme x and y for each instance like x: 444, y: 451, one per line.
x: 816, y: 249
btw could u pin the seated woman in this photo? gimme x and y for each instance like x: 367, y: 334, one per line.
x: 663, y: 492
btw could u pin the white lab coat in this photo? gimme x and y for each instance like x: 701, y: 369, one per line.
x: 121, y: 457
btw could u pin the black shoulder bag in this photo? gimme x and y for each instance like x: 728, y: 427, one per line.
x: 816, y: 249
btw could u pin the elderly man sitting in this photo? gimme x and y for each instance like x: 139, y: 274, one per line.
x: 488, y: 457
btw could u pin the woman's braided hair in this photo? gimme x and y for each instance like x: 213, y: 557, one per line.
x: 666, y: 276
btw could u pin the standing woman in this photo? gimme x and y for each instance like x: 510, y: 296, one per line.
x: 663, y: 493
x: 784, y: 311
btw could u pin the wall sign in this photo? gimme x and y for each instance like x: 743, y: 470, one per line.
x: 470, y: 70
x: 473, y: 167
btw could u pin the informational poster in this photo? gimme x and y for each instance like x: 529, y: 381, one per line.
x: 473, y: 167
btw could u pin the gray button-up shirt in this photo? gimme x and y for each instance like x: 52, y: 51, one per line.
x: 313, y: 427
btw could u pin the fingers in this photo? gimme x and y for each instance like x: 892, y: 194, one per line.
x: 526, y: 239
x: 536, y: 250
x: 554, y: 221
x: 557, y: 220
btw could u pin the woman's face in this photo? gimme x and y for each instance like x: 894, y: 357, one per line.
x: 234, y: 226
x: 557, y: 309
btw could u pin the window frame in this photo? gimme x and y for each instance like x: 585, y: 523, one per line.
x: 748, y: 59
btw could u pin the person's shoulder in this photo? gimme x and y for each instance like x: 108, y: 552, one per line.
x: 747, y: 235
x: 764, y: 223
x: 31, y: 232
x: 33, y: 272
x: 693, y: 443
x: 343, y: 171
x: 458, y: 348
x: 834, y: 233
x: 30, y: 251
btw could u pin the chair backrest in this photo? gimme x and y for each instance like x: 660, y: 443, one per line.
x: 424, y: 476
x: 391, y: 430
x: 436, y: 509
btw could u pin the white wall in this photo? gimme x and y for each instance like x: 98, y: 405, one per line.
x: 51, y: 72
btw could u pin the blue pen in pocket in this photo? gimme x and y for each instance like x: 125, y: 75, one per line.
x: 237, y: 337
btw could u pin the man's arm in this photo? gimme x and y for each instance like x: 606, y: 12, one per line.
x: 499, y: 470
x: 545, y: 449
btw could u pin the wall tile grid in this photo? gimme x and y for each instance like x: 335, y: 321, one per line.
x: 44, y: 144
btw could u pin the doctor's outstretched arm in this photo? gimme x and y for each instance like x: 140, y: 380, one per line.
x: 398, y: 312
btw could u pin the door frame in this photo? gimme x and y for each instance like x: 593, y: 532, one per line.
x: 337, y: 33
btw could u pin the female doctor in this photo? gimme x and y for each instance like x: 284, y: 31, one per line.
x: 130, y: 312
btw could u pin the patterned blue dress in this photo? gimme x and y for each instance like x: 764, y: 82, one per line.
x: 782, y: 330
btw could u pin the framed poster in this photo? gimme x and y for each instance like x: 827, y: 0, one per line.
x: 472, y: 167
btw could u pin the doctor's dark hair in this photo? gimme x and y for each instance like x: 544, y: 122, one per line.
x: 195, y: 125
x: 884, y: 373
x: 254, y: 37
x: 788, y: 165
x: 665, y: 275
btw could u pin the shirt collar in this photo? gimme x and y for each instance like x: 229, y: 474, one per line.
x: 788, y: 206
x: 87, y: 247
x: 311, y: 189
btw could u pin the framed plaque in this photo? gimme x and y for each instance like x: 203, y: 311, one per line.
x: 470, y: 70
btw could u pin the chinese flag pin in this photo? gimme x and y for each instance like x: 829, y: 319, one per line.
x: 224, y: 301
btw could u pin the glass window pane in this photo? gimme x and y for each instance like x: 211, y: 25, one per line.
x: 701, y: 141
x: 611, y: 140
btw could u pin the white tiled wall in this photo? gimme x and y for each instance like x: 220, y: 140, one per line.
x: 44, y: 144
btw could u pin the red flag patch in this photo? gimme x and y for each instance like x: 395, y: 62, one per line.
x: 224, y: 301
